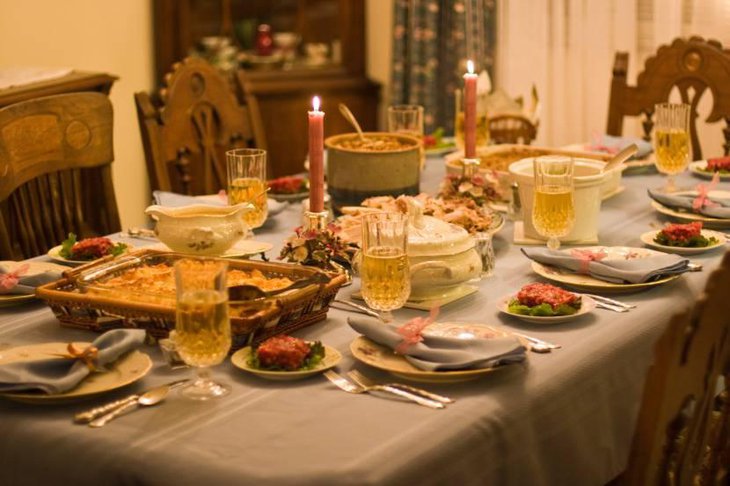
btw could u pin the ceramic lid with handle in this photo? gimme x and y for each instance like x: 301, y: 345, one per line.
x: 429, y: 236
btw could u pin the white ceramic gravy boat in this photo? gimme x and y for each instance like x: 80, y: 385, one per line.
x: 200, y: 229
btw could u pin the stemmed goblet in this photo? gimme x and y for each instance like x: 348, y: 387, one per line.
x: 671, y: 140
x: 553, y: 212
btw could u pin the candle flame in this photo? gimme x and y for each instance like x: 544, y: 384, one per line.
x: 470, y: 66
x: 315, y: 103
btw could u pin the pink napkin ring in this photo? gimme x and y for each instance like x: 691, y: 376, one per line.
x: 9, y: 280
x: 413, y: 329
x: 586, y: 257
x: 703, y: 198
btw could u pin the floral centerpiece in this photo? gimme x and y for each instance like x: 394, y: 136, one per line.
x: 319, y: 248
x: 480, y: 187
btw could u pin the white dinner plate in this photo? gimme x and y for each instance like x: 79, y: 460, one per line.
x: 383, y: 358
x: 594, y: 285
x: 698, y: 167
x: 55, y: 254
x: 331, y: 358
x: 586, y: 307
x: 126, y: 370
x: 7, y: 300
x: 689, y: 217
x: 648, y: 239
x: 273, y: 207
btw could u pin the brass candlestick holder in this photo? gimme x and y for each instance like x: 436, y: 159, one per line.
x: 470, y: 167
x: 316, y: 221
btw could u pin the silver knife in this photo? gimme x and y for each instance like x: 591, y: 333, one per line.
x: 89, y: 415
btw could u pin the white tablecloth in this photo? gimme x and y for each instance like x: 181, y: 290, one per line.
x: 567, y: 418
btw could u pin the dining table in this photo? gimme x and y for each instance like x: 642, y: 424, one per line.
x: 561, y: 418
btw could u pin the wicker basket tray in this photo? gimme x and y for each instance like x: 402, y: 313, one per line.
x: 75, y: 306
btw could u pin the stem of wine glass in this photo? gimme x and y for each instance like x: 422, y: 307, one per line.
x: 553, y: 243
x: 387, y: 316
x: 670, y: 187
x: 202, y: 375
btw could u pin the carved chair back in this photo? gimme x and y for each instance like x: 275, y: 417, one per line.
x: 55, y: 172
x: 190, y: 124
x: 694, y: 66
x: 511, y: 129
x: 683, y: 431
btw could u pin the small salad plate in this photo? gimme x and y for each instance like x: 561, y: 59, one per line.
x: 241, y: 248
x: 55, y: 254
x: 699, y: 168
x: 587, y: 306
x: 648, y: 239
x: 7, y: 300
x: 241, y: 360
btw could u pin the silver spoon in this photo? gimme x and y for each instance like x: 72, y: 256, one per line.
x: 353, y: 121
x: 246, y: 292
x: 147, y: 399
x: 621, y: 157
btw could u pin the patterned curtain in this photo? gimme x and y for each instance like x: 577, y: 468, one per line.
x: 433, y: 40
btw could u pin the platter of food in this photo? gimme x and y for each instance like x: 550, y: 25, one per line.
x: 708, y: 168
x: 436, y: 143
x: 591, y: 284
x: 285, y: 358
x: 542, y: 303
x: 125, y: 371
x: 83, y: 251
x: 684, y: 239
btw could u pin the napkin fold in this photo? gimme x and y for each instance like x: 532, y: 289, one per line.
x: 635, y: 270
x: 175, y: 200
x: 19, y: 282
x: 721, y: 209
x: 58, y: 374
x: 443, y: 353
x: 612, y: 144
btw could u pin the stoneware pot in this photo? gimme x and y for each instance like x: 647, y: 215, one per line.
x: 355, y: 175
x: 200, y: 229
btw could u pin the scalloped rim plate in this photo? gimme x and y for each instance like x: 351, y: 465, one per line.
x: 7, y: 300
x: 587, y: 306
x: 648, y: 239
x: 697, y: 169
x: 586, y: 282
x: 331, y: 358
x: 126, y: 370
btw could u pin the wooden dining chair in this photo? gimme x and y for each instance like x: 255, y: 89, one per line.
x: 55, y: 172
x: 510, y: 128
x: 189, y: 125
x: 693, y: 66
x: 683, y: 431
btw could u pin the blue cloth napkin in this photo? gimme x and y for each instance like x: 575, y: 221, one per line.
x: 619, y: 143
x: 29, y: 281
x: 444, y: 353
x: 58, y: 375
x: 174, y: 200
x: 684, y: 202
x: 635, y: 270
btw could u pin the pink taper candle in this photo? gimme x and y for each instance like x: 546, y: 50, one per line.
x: 316, y: 164
x: 470, y: 112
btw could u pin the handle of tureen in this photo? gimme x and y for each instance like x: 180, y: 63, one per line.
x: 432, y: 264
x: 155, y: 211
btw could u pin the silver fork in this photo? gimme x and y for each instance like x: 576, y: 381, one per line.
x: 618, y: 303
x: 350, y: 387
x: 363, y: 380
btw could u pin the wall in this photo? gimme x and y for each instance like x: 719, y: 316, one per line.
x: 92, y: 35
x: 379, y: 42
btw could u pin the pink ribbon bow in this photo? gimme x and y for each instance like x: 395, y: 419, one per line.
x: 586, y: 257
x: 9, y: 280
x: 223, y: 196
x: 413, y: 329
x: 703, y: 199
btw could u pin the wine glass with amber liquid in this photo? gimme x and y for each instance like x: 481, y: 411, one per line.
x: 553, y: 210
x: 384, y: 270
x: 671, y: 140
x: 202, y: 327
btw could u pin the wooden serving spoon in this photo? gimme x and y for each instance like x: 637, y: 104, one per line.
x: 353, y: 121
x: 621, y: 157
